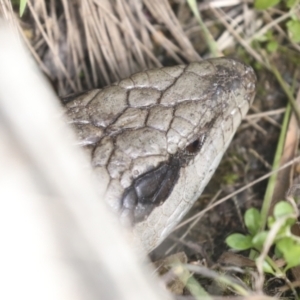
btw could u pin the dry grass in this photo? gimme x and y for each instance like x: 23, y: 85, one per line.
x: 86, y: 44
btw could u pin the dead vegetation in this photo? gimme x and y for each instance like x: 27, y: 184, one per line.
x: 85, y: 44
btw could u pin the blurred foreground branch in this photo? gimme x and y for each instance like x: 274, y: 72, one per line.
x: 58, y: 239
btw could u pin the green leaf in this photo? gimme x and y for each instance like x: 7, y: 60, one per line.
x: 277, y: 252
x: 293, y: 27
x: 283, y: 208
x: 290, y: 250
x: 264, y: 4
x: 252, y: 220
x: 230, y: 179
x: 22, y: 7
x: 285, y: 228
x: 239, y: 241
x: 195, y: 288
x: 268, y: 269
x: 259, y: 239
x: 272, y: 46
x: 284, y: 245
x: 271, y: 221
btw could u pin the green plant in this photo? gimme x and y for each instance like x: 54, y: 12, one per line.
x: 292, y: 25
x: 278, y: 233
x: 22, y: 5
x: 264, y: 4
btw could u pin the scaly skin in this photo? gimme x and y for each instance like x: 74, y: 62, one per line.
x: 178, y: 119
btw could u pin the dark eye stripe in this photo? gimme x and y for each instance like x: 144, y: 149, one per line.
x: 150, y: 190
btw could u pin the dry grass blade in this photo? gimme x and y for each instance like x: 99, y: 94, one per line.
x: 284, y: 177
x: 163, y: 12
x: 94, y: 43
x: 7, y: 12
x: 51, y: 36
x: 221, y: 16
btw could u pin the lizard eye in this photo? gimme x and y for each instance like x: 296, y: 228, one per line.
x: 194, y: 146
